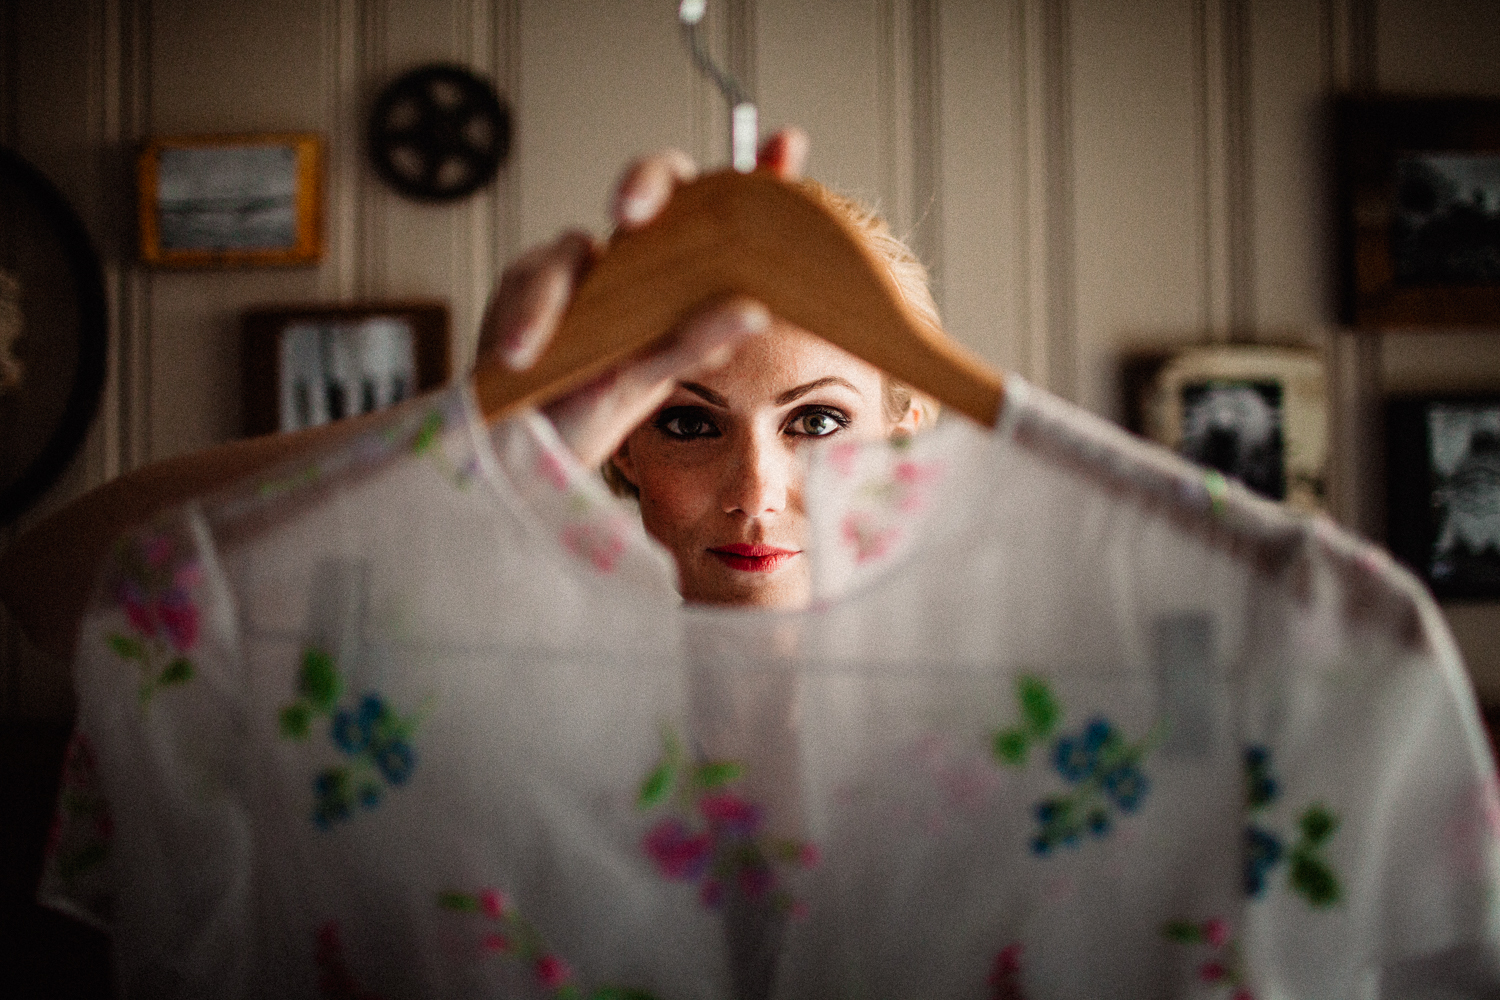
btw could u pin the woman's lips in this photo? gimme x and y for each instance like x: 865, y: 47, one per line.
x: 752, y: 558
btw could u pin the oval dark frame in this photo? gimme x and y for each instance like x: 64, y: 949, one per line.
x: 92, y: 332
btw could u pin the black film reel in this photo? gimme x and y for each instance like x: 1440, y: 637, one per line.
x: 439, y: 133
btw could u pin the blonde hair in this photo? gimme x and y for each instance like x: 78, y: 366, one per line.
x: 897, y: 398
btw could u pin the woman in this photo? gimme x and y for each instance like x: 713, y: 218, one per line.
x: 709, y: 433
x: 736, y: 396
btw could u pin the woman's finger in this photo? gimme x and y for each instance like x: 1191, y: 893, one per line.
x: 785, y: 153
x: 597, y: 418
x: 647, y: 185
x: 529, y: 301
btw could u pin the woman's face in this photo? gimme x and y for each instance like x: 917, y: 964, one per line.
x: 719, y: 466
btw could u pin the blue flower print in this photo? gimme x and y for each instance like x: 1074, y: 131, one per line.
x: 370, y: 733
x: 1102, y: 766
x: 1126, y: 785
x: 1308, y: 872
x: 1099, y: 822
x: 1261, y: 788
x: 395, y: 760
x: 1263, y: 852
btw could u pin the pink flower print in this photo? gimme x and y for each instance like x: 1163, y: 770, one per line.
x: 179, y: 617
x: 841, y: 456
x: 133, y: 599
x: 1216, y: 932
x: 1007, y: 963
x: 1211, y: 972
x: 187, y: 576
x: 156, y: 551
x: 677, y: 854
x: 808, y: 855
x: 552, y: 469
x: 868, y: 542
x: 799, y: 910
x: 912, y: 478
x: 552, y: 972
x: 492, y: 902
x: 601, y: 545
x: 711, y: 893
x: 755, y: 880
x: 495, y: 941
x: 730, y: 814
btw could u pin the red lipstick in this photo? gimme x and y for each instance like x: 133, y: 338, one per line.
x: 752, y: 558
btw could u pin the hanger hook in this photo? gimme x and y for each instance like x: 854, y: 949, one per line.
x: 743, y: 128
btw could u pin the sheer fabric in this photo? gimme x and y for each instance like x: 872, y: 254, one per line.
x: 1067, y: 718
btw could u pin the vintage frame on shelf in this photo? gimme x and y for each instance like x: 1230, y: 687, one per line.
x: 1443, y: 491
x: 309, y: 364
x: 1256, y: 413
x: 1419, y: 205
x: 243, y: 200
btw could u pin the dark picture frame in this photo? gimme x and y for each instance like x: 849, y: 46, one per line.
x: 238, y: 200
x: 53, y: 334
x: 1419, y: 205
x: 363, y: 356
x: 1443, y: 491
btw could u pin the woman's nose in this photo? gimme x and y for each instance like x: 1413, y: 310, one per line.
x: 758, y: 480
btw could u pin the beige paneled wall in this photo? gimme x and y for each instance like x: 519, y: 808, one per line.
x: 1086, y: 177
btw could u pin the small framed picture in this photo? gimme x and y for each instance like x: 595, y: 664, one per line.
x: 1443, y: 491
x: 1419, y: 191
x: 309, y: 365
x: 231, y: 200
x: 1256, y: 414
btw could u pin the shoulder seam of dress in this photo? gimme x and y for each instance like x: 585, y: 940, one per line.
x: 1224, y: 513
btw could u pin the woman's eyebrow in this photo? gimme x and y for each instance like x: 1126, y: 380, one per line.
x: 802, y: 390
x: 708, y: 394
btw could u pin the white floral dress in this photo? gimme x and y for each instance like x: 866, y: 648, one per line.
x: 1067, y: 718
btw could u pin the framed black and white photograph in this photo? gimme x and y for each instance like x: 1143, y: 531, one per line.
x: 1443, y: 488
x: 1256, y: 414
x: 309, y: 365
x: 1419, y: 190
x: 231, y: 200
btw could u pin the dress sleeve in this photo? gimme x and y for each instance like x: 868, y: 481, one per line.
x: 151, y: 839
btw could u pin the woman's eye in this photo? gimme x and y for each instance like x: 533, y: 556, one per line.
x: 817, y: 423
x: 686, y: 423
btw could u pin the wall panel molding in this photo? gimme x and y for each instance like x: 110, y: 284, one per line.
x: 342, y: 84
x: 926, y: 140
x: 894, y: 125
x: 1349, y: 39
x: 124, y: 120
x: 1354, y: 357
x: 1222, y: 68
x: 1046, y: 225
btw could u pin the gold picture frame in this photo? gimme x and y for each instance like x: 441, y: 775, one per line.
x: 236, y: 200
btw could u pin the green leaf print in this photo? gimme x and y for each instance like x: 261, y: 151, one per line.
x: 319, y: 680
x: 657, y: 784
x: 179, y: 671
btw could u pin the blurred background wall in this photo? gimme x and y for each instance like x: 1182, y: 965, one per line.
x: 1085, y: 177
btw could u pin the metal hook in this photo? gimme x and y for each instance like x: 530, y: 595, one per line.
x: 743, y: 119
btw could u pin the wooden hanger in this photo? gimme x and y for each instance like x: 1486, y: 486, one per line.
x: 756, y: 235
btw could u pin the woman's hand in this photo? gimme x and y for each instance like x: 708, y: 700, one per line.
x: 535, y: 290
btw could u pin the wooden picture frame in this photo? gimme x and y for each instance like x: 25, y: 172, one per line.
x: 243, y: 200
x: 1443, y: 491
x: 1255, y: 413
x: 308, y: 364
x: 1419, y: 206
